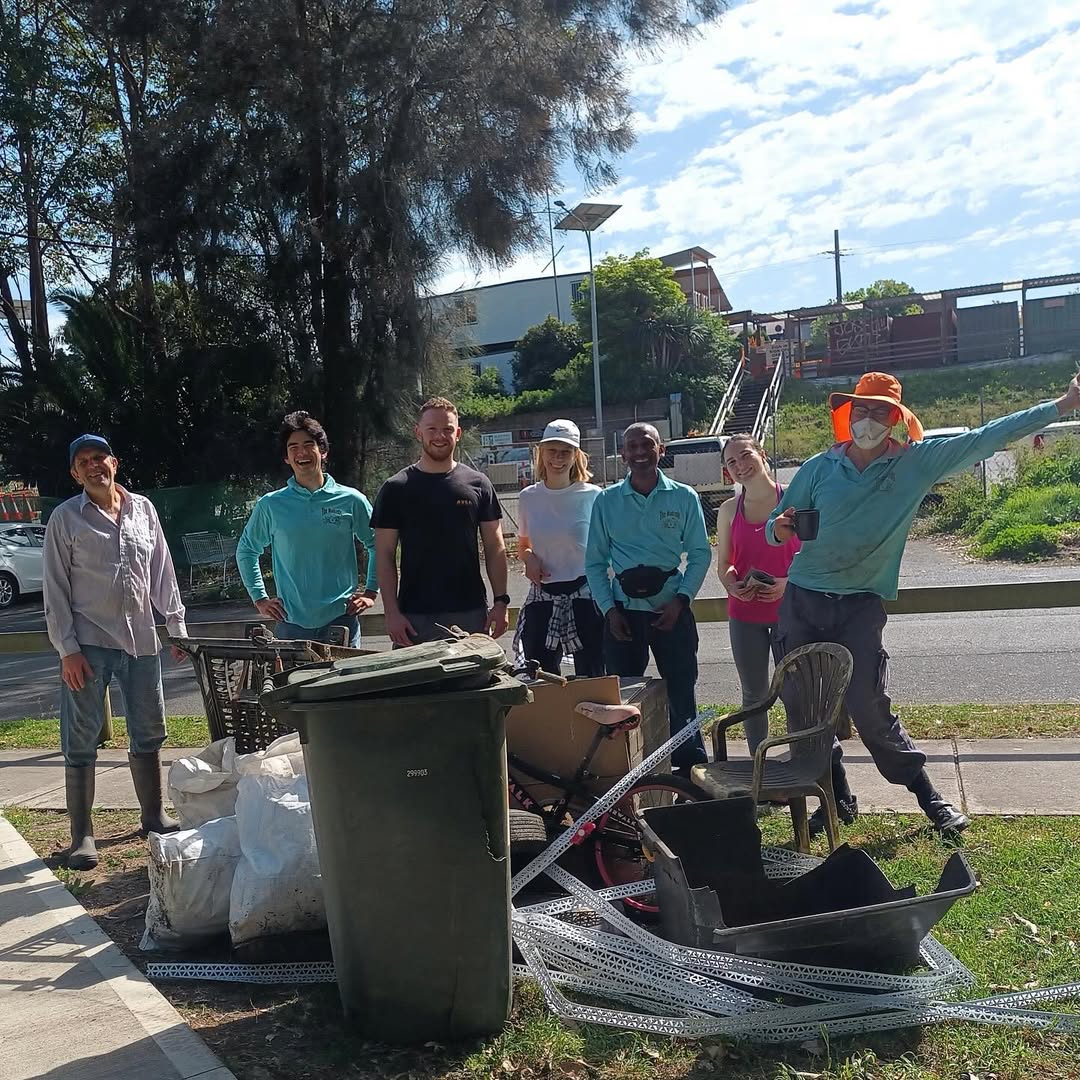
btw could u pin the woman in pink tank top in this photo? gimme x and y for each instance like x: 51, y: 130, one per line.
x: 753, y: 607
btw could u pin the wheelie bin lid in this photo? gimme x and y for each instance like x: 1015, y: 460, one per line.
x: 454, y: 662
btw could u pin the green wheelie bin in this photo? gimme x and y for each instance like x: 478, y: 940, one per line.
x: 406, y: 763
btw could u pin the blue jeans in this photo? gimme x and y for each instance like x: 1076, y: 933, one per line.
x: 675, y: 652
x: 82, y: 712
x: 287, y: 631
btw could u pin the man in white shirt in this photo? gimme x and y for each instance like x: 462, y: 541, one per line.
x: 106, y: 567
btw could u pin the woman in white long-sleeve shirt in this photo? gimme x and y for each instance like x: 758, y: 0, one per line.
x: 559, y: 615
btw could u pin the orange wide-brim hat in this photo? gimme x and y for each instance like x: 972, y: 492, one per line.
x: 873, y: 386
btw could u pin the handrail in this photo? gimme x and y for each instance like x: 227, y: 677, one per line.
x: 731, y: 395
x: 769, y: 401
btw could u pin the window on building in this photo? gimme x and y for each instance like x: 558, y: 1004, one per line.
x: 465, y: 307
x: 477, y: 367
x: 576, y: 290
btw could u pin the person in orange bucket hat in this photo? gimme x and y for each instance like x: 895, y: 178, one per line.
x: 863, y: 493
x: 874, y: 386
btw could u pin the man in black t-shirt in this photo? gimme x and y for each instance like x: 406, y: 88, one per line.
x: 433, y: 510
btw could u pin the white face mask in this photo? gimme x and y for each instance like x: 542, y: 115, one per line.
x: 869, y: 433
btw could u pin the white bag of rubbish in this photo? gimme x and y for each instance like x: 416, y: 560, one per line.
x: 284, y: 757
x: 203, y: 787
x: 191, y: 876
x: 277, y: 887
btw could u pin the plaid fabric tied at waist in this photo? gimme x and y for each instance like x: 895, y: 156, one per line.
x: 562, y: 629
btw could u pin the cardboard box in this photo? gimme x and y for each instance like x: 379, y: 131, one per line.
x: 548, y: 733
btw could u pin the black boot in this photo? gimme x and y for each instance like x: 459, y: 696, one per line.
x: 847, y: 806
x: 79, y: 792
x: 847, y: 810
x: 942, y: 814
x: 146, y: 773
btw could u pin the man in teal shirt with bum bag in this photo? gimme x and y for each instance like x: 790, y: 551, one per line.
x: 867, y: 489
x: 641, y: 528
x: 310, y: 525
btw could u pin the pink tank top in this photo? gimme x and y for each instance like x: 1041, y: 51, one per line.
x: 751, y: 551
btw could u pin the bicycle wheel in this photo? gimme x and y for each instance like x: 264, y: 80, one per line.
x: 619, y: 858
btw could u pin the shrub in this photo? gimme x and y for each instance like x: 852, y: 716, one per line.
x: 962, y: 507
x: 1027, y: 542
x: 1059, y: 463
x: 1032, y: 506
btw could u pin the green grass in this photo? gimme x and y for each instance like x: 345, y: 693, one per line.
x: 958, y: 721
x: 38, y: 733
x: 944, y: 398
x: 922, y: 722
x: 1019, y: 930
x: 1029, y: 869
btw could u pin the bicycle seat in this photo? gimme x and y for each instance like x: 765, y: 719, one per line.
x: 610, y: 715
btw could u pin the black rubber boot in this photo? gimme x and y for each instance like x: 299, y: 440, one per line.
x: 146, y: 773
x: 79, y: 793
x: 942, y: 814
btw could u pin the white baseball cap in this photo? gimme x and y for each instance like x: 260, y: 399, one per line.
x: 564, y: 431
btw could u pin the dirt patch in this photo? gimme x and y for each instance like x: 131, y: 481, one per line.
x: 261, y: 1033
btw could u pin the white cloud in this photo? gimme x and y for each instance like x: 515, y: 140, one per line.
x: 922, y: 130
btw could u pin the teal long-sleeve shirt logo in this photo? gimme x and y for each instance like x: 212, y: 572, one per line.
x: 331, y: 515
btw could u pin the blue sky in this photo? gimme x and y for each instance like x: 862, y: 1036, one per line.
x: 941, y: 137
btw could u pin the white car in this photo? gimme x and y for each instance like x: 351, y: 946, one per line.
x: 21, y: 554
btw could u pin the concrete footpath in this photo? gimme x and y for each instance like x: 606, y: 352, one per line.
x: 72, y: 1007
x: 982, y: 776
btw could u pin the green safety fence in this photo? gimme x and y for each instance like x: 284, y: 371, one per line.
x: 221, y: 508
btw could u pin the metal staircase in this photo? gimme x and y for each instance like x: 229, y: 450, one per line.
x: 749, y: 404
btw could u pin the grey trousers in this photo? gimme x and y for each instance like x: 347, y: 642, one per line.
x: 428, y: 627
x: 856, y: 622
x: 751, y: 646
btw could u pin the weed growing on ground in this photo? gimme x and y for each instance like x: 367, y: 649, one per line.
x: 1032, y: 516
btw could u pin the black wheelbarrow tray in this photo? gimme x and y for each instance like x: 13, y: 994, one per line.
x: 713, y: 893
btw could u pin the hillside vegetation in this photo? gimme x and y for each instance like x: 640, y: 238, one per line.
x: 941, y: 398
x: 1034, y: 515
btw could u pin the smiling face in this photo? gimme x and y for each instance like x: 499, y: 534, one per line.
x: 304, y: 456
x: 743, y: 461
x: 438, y: 432
x: 558, y: 459
x: 94, y: 470
x: 642, y: 450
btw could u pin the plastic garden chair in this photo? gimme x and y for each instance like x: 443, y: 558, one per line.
x: 814, y: 680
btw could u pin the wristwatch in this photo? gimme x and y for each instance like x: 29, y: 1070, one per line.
x: 503, y: 599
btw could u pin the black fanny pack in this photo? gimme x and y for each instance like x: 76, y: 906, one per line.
x: 641, y: 582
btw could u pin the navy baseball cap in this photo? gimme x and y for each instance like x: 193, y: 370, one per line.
x: 84, y: 441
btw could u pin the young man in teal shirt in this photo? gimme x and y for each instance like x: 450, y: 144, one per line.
x: 311, y: 526
x: 641, y: 529
x: 867, y: 489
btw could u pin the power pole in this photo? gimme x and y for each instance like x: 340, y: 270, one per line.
x: 554, y: 272
x: 836, y: 260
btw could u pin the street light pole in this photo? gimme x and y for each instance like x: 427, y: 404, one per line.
x: 597, y: 404
x: 587, y: 217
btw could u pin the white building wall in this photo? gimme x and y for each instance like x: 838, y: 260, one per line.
x: 502, y: 313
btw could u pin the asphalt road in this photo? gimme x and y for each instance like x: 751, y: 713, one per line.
x: 993, y: 657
